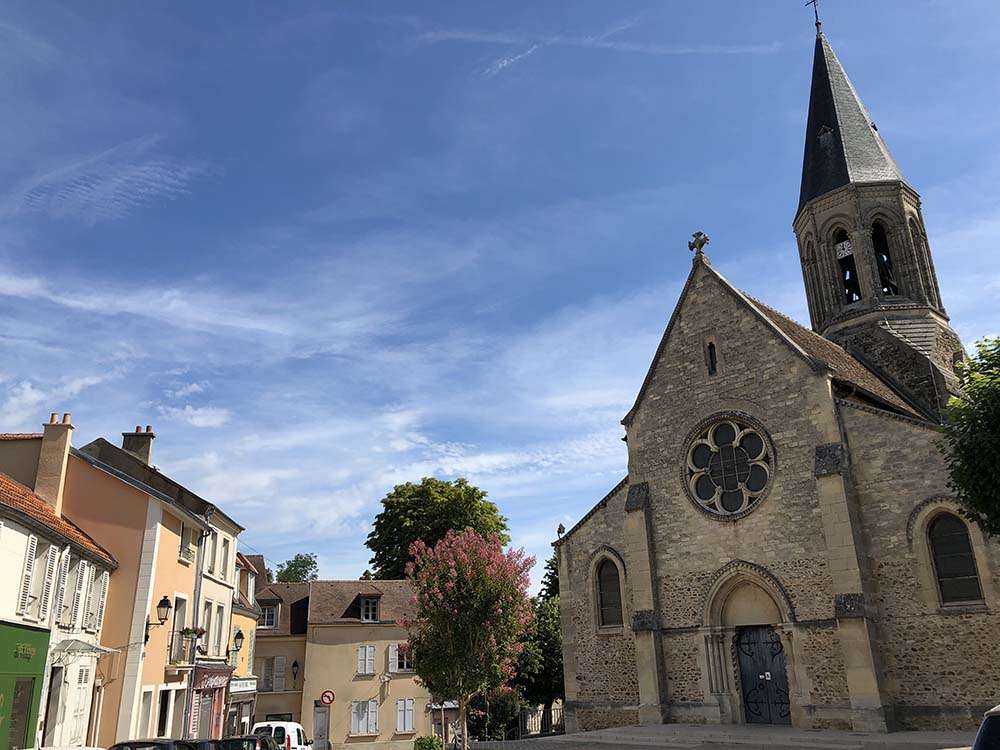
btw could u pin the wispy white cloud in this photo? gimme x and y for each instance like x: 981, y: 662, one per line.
x: 505, y: 62
x: 182, y: 391
x: 197, y: 416
x: 108, y: 185
x: 25, y: 399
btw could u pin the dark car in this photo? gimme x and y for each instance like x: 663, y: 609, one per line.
x: 248, y: 742
x: 157, y: 744
x: 988, y: 737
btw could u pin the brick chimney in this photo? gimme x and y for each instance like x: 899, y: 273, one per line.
x: 50, y: 479
x: 139, y: 443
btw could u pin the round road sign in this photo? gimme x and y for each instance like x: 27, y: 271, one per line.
x: 327, y: 697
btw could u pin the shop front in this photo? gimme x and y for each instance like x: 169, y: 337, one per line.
x: 23, y: 652
x: 242, y: 693
x: 209, y: 704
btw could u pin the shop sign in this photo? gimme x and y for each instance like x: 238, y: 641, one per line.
x: 24, y: 651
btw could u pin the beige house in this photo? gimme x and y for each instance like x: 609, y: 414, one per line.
x: 53, y: 600
x: 332, y: 661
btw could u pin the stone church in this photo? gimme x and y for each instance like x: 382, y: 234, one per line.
x: 783, y: 549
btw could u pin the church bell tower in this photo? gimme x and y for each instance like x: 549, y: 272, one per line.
x: 866, y: 262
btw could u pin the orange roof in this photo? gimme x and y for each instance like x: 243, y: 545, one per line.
x: 27, y: 504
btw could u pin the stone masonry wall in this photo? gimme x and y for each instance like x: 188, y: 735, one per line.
x: 939, y: 671
x: 758, y: 374
x: 604, y: 663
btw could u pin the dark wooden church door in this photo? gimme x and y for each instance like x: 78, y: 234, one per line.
x: 763, y: 678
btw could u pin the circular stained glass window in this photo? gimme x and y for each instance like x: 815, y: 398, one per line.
x: 729, y: 466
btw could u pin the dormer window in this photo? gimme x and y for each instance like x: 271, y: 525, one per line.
x: 369, y: 609
x: 268, y: 616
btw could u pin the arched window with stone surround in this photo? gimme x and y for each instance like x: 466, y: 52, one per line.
x: 883, y: 260
x: 954, y: 561
x: 609, y: 594
x: 849, y: 284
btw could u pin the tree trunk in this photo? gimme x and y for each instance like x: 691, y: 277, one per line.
x: 463, y: 725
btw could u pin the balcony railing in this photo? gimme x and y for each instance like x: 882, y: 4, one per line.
x: 181, y: 648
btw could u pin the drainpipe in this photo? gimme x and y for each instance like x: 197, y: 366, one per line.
x: 195, y: 616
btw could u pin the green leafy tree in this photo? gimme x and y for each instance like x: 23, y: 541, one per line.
x: 303, y: 567
x: 425, y: 512
x: 972, y: 437
x: 540, y: 666
x: 471, y: 610
x: 495, y: 715
x: 550, y: 581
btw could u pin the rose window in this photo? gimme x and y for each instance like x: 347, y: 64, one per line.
x: 729, y: 467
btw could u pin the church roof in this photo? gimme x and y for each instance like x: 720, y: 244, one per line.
x: 843, y: 145
x: 820, y: 353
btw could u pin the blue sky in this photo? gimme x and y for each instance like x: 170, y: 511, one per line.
x: 324, y: 248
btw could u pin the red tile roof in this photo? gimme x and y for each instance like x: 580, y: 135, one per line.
x: 20, y: 436
x: 335, y: 602
x: 36, y: 511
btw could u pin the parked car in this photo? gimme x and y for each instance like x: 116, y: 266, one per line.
x: 154, y: 744
x: 286, y: 734
x: 249, y: 742
x: 988, y: 736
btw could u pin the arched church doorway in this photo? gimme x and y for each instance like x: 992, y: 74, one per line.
x: 763, y: 675
x: 747, y: 611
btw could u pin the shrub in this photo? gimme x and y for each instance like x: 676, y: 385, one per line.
x: 428, y: 743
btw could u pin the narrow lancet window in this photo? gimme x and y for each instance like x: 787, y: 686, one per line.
x: 954, y: 561
x: 609, y: 594
x: 713, y: 359
x: 886, y: 276
x: 848, y: 268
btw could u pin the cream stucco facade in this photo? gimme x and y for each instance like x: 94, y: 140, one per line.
x: 333, y: 663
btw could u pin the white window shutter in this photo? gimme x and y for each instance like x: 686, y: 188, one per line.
x: 400, y: 715
x: 361, y: 659
x: 279, y: 673
x: 27, y: 574
x: 355, y: 717
x: 373, y: 717
x: 91, y: 572
x: 393, y: 657
x: 370, y: 660
x: 51, y: 559
x: 81, y: 584
x: 61, y: 581
x: 102, y: 599
x: 409, y: 714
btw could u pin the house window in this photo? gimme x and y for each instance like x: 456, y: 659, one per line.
x: 364, y: 717
x: 268, y: 616
x: 224, y: 568
x: 954, y: 563
x: 713, y: 358
x: 220, y: 621
x: 366, y: 659
x: 163, y: 714
x: 251, y: 585
x: 848, y: 268
x: 213, y: 542
x: 369, y: 610
x: 400, y: 658
x: 609, y: 595
x: 404, y: 715
x: 886, y: 276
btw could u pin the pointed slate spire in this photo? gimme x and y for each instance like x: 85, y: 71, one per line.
x: 842, y: 143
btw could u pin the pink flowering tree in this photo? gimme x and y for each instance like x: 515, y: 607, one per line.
x: 470, y: 613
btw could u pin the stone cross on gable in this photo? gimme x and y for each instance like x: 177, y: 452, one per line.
x: 698, y: 242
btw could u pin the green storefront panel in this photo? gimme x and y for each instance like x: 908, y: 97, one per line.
x: 22, y: 666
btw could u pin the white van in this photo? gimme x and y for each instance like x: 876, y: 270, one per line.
x: 286, y: 734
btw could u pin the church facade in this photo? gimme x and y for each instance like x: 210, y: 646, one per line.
x: 783, y: 549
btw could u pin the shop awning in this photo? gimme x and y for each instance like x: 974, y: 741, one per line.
x: 77, y: 647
